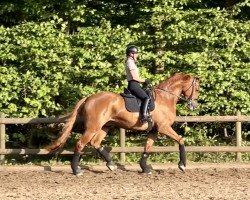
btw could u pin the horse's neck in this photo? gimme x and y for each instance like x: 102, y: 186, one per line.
x: 174, y: 89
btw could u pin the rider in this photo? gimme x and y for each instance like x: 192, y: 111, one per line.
x: 134, y: 80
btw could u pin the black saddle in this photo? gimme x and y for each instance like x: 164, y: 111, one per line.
x: 133, y: 104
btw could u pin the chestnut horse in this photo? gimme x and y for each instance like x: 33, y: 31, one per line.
x: 103, y: 110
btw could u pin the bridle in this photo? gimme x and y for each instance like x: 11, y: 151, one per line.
x: 190, y: 98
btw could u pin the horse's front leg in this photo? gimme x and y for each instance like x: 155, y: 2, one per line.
x: 182, y: 162
x: 143, y: 161
x: 167, y: 130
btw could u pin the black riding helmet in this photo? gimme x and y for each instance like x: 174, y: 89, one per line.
x: 131, y: 49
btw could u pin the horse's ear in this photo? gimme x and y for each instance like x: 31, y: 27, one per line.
x: 187, y: 77
x: 197, y: 78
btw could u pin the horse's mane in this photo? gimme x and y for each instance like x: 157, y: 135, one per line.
x: 173, y: 80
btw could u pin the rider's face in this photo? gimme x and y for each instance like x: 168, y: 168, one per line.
x: 136, y: 55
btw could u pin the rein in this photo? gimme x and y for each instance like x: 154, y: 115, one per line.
x: 189, y: 99
x: 170, y: 92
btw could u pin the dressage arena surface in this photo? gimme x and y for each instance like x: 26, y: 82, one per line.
x: 201, y: 181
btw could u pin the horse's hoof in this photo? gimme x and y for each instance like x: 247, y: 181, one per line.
x: 79, y: 174
x: 111, y: 166
x: 146, y: 173
x: 77, y: 171
x: 182, y: 168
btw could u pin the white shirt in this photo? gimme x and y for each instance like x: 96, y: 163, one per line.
x: 130, y: 65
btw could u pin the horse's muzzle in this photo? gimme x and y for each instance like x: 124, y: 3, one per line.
x: 192, y: 104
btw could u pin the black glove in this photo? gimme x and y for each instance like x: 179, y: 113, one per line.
x: 148, y: 82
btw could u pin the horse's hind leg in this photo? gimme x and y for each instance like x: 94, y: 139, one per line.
x: 143, y: 161
x: 81, y: 143
x: 95, y: 138
x: 96, y: 142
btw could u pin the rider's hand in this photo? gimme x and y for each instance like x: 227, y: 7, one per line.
x: 147, y: 82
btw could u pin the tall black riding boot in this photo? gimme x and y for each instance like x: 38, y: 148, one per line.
x: 144, y: 109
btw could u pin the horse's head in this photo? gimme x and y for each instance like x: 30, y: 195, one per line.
x: 190, y: 90
x: 182, y: 86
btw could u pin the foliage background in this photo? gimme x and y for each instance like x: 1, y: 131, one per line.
x: 52, y: 53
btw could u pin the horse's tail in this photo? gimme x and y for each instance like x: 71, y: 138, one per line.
x: 65, y: 133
